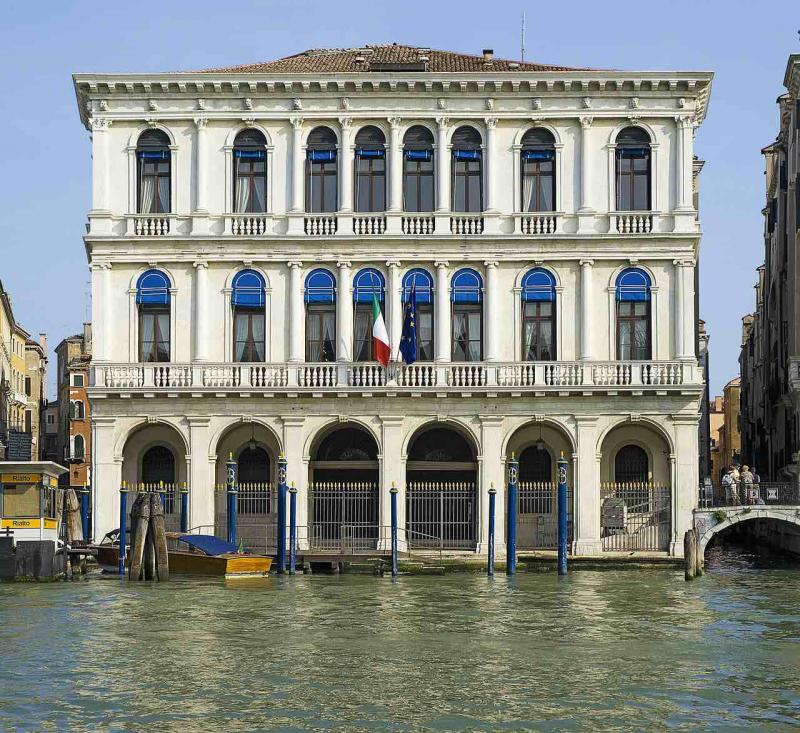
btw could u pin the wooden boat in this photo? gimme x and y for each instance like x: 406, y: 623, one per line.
x: 204, y: 555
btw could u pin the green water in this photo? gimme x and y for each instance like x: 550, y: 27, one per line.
x: 613, y: 650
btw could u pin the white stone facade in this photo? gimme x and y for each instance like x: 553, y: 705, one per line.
x: 585, y: 401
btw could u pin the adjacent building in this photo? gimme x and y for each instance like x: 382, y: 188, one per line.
x: 770, y: 354
x: 729, y: 437
x: 248, y: 222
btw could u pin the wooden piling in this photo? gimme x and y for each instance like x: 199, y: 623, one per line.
x: 690, y: 554
x: 149, y: 564
x: 698, y: 568
x: 140, y: 521
x: 159, y: 537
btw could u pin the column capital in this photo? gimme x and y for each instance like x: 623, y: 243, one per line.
x: 345, y: 122
x: 443, y: 122
x: 441, y: 264
x: 683, y: 262
x: 586, y: 122
x: 392, y: 420
x: 491, y: 263
x: 294, y: 263
x: 395, y: 122
x: 491, y: 420
x: 293, y: 421
x: 586, y: 263
x: 586, y: 421
x: 296, y: 122
x: 200, y: 123
x: 196, y: 421
x: 490, y: 122
x: 200, y: 265
x: 343, y: 264
x: 100, y: 124
x: 392, y: 263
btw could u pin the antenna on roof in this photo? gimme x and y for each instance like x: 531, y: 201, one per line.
x: 522, y: 50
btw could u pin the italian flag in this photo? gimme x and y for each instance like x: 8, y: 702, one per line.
x: 379, y: 336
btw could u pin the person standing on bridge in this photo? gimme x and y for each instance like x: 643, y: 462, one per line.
x: 747, y: 480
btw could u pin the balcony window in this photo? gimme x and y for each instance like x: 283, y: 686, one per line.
x: 153, y: 159
x: 422, y: 283
x: 367, y: 284
x: 322, y: 172
x: 418, y: 171
x: 467, y: 315
x: 248, y: 302
x: 537, y: 165
x: 370, y: 170
x: 250, y: 172
x: 633, y: 315
x: 320, y: 298
x: 153, y: 301
x: 633, y: 170
x: 467, y: 170
x: 538, y: 316
x: 78, y: 447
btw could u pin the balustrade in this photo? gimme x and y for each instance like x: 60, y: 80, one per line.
x: 248, y: 225
x: 636, y: 222
x: 148, y: 225
x: 538, y: 223
x: 320, y: 225
x: 466, y: 225
x: 419, y: 224
x: 369, y: 224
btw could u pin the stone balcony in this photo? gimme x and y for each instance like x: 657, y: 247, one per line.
x: 346, y: 379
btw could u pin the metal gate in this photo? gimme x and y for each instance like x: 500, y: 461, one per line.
x: 170, y: 500
x: 537, y: 515
x: 256, y: 515
x: 441, y: 515
x: 343, y: 516
x: 635, y: 516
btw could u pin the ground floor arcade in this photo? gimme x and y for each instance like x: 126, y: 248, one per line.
x: 631, y: 473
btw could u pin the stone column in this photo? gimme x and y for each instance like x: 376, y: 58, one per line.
x: 201, y: 475
x: 98, y: 320
x: 442, y: 313
x: 586, y: 169
x: 297, y: 321
x: 683, y: 167
x: 686, y: 478
x: 586, y: 309
x: 689, y: 315
x: 106, y: 477
x: 395, y: 305
x: 442, y: 166
x: 346, y: 166
x: 492, y: 312
x: 201, y: 203
x: 490, y: 204
x: 100, y: 172
x: 395, y: 166
x: 298, y: 166
x: 108, y: 315
x: 201, y: 311
x: 344, y: 314
x: 392, y: 473
x: 297, y: 472
x: 587, y: 489
x: 491, y: 473
x: 678, y: 311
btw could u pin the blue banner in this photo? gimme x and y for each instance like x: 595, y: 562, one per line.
x: 408, y: 338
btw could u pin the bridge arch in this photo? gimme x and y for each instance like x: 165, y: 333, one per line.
x: 785, y: 516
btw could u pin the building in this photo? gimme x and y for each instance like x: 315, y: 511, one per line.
x: 705, y: 440
x: 716, y: 419
x: 74, y: 415
x: 35, y: 392
x: 244, y: 220
x: 50, y: 437
x: 770, y: 355
x: 729, y: 437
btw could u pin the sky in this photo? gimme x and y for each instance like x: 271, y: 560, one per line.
x: 46, y: 184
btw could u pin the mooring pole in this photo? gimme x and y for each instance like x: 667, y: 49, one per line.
x: 492, y: 499
x: 184, y: 508
x: 231, y: 496
x: 282, y: 514
x: 123, y: 529
x: 85, y: 512
x: 511, y: 514
x: 393, y: 504
x: 292, y: 529
x: 562, y: 515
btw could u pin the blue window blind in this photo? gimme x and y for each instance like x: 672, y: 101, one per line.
x: 467, y: 154
x: 366, y: 282
x: 153, y: 154
x: 366, y: 153
x: 538, y: 154
x: 419, y: 154
x: 321, y: 156
x: 320, y: 287
x: 422, y: 281
x: 538, y: 284
x: 250, y: 154
x: 633, y: 152
x: 633, y: 284
x: 152, y: 288
x: 248, y: 289
x: 467, y: 287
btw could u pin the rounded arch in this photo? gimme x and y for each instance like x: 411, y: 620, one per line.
x: 538, y: 284
x: 235, y: 271
x: 522, y: 272
x: 612, y: 280
x: 423, y: 282
x: 249, y: 288
x: 632, y: 463
x: 134, y: 444
x: 134, y: 280
x: 236, y: 130
x: 313, y: 440
x: 419, y: 136
x: 222, y: 431
x: 733, y: 519
x: 466, y: 285
x: 322, y: 137
x: 319, y: 286
x: 649, y: 422
x: 465, y: 430
x: 346, y: 443
x: 370, y: 135
x: 523, y: 131
x: 538, y: 137
x: 126, y: 435
x: 133, y: 140
x: 367, y: 281
x: 612, y: 138
x: 237, y: 438
x: 458, y: 134
x: 508, y: 444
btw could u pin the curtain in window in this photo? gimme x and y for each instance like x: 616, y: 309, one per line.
x: 361, y: 330
x: 163, y: 193
x: 147, y: 324
x: 258, y: 336
x: 474, y: 324
x: 242, y: 194
x: 146, y: 195
x: 162, y: 336
x: 240, y: 337
x: 527, y: 190
x: 313, y: 337
x: 261, y: 194
x: 640, y: 338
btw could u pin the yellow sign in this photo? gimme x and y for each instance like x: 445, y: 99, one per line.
x: 21, y: 523
x: 20, y: 478
x: 51, y: 524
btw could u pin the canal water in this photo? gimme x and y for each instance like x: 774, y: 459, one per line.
x: 599, y: 650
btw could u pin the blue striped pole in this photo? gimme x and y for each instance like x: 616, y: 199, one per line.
x: 393, y: 500
x: 492, y: 499
x: 562, y: 515
x: 184, y: 508
x: 231, y: 496
x: 85, y: 512
x: 282, y: 514
x: 292, y: 529
x: 123, y: 527
x: 511, y: 517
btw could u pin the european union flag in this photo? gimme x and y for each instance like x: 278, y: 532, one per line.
x: 408, y: 338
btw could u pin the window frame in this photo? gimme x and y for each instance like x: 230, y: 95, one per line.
x: 157, y: 169
x: 419, y: 139
x: 625, y: 174
x: 323, y: 171
x: 425, y: 307
x: 466, y: 139
x: 370, y: 170
x: 252, y: 176
x: 154, y: 311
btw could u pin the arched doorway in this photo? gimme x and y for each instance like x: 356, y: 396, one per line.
x: 441, y: 491
x: 158, y: 472
x: 343, y: 491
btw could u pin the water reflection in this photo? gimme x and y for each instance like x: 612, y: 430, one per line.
x: 617, y: 649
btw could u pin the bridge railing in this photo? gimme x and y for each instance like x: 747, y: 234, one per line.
x: 749, y: 494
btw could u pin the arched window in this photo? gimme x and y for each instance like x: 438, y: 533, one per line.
x: 630, y: 465
x: 633, y: 170
x: 537, y: 165
x: 158, y: 465
x: 78, y: 447
x: 467, y: 323
x: 422, y: 283
x: 253, y: 467
x: 467, y: 172
x: 248, y: 301
x: 250, y: 172
x: 76, y: 410
x: 370, y: 169
x: 418, y: 186
x: 154, y: 170
x: 367, y: 284
x: 535, y: 465
x: 538, y: 316
x: 152, y: 298
x: 322, y: 173
x: 320, y: 297
x: 633, y: 315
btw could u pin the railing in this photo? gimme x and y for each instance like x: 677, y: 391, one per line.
x: 317, y: 226
x: 416, y: 375
x: 746, y: 493
x: 467, y: 375
x: 343, y: 516
x: 418, y: 224
x: 366, y: 375
x: 632, y: 222
x: 369, y: 224
x: 537, y: 515
x: 635, y: 516
x: 151, y: 225
x: 256, y: 514
x: 248, y: 225
x: 317, y: 375
x: 441, y: 515
x: 545, y: 223
x: 466, y: 224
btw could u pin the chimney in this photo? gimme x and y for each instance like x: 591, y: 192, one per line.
x: 488, y: 55
x: 43, y: 342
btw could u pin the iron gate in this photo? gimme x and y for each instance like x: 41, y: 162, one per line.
x: 343, y: 516
x: 537, y: 515
x: 635, y: 516
x: 256, y: 515
x: 441, y: 515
